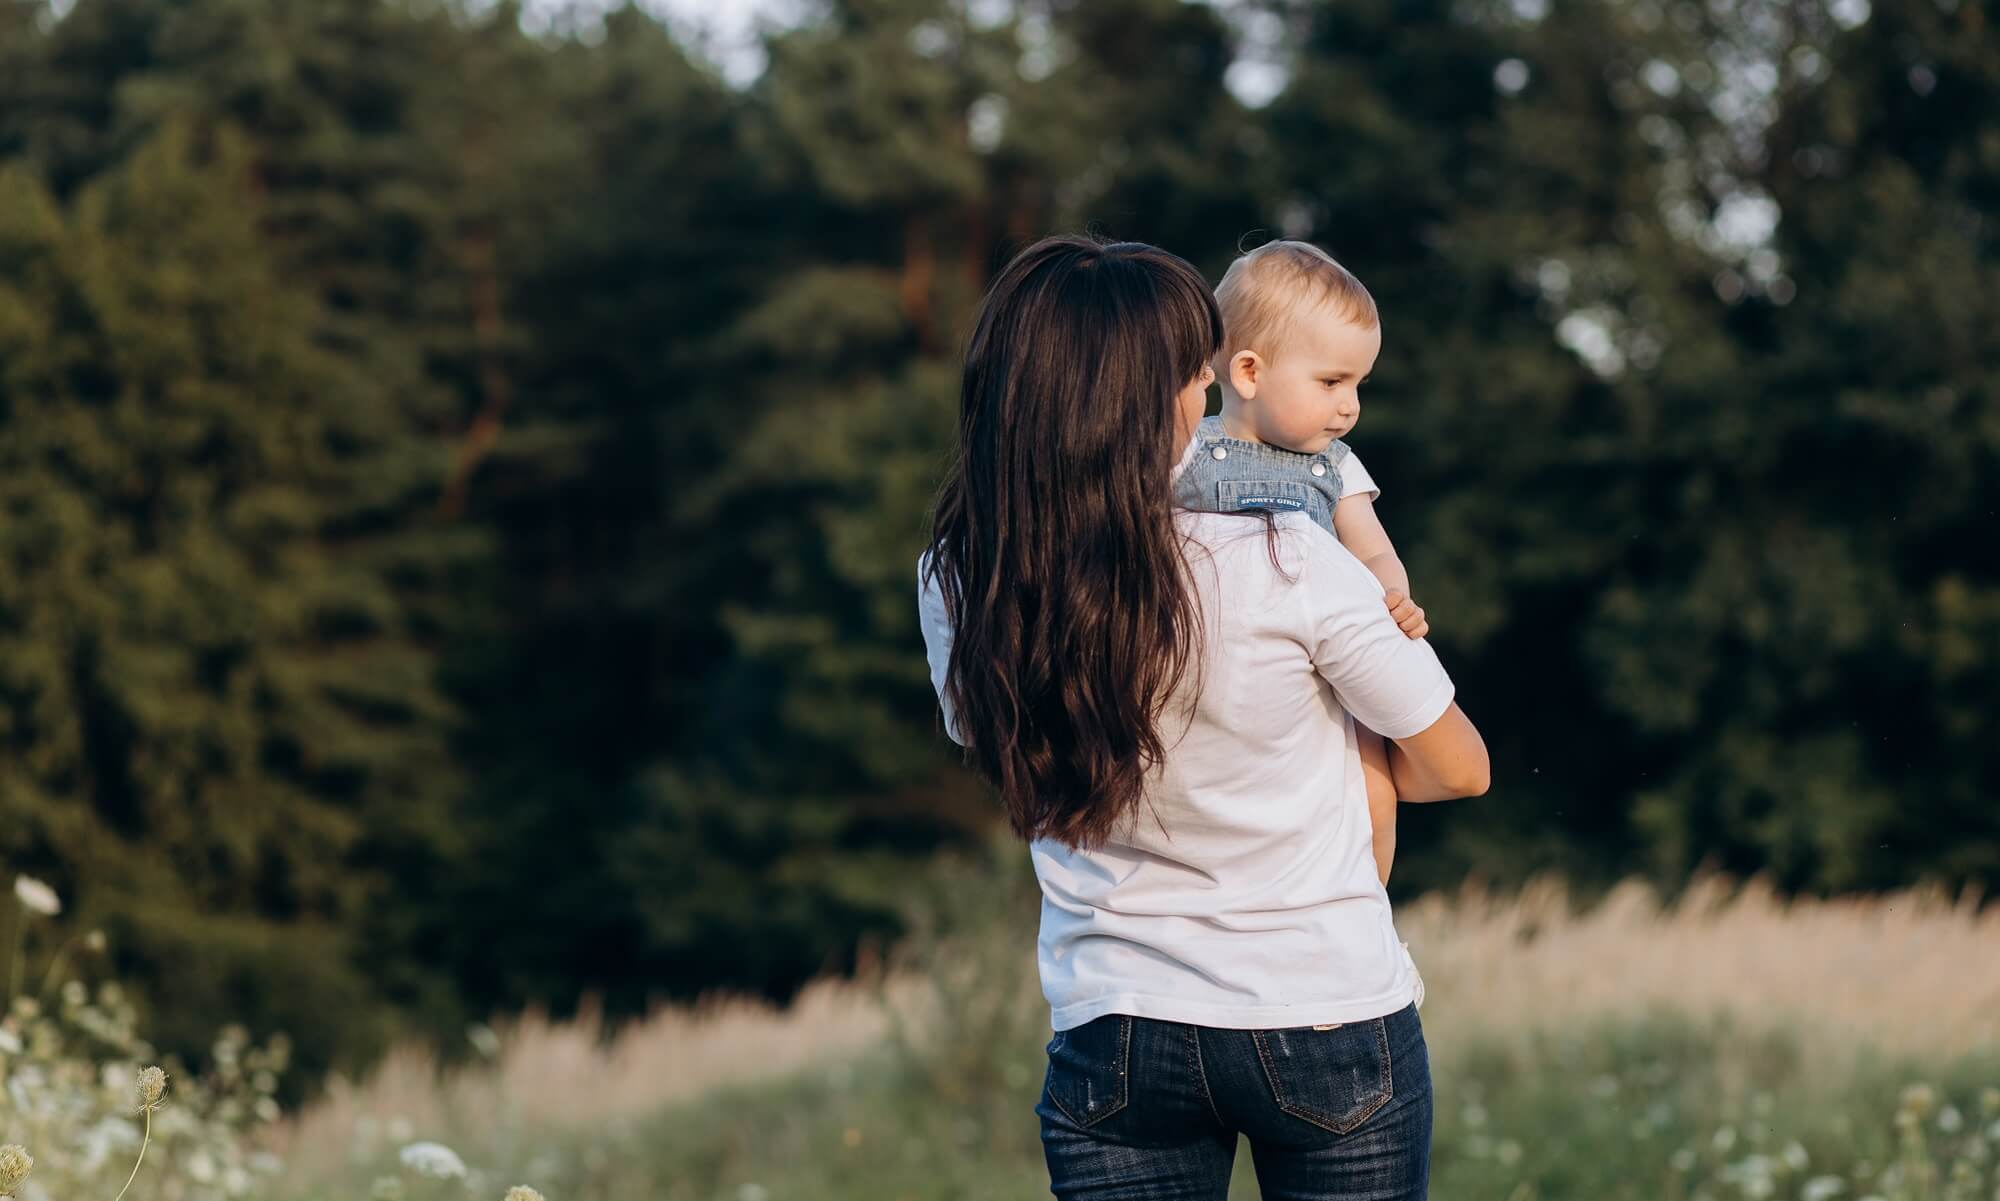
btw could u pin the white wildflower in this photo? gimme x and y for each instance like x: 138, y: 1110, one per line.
x: 434, y: 1160
x: 37, y: 896
x: 152, y: 1087
x: 15, y: 1164
x: 1822, y: 1188
x: 201, y: 1166
x: 483, y: 1039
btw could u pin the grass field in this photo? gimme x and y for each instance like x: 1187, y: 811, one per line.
x: 1729, y: 1046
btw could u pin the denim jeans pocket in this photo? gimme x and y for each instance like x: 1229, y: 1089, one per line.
x: 1335, y: 1078
x: 1089, y: 1069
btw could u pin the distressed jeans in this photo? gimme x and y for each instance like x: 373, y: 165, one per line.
x: 1137, y: 1109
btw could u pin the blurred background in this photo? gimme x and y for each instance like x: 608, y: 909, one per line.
x: 462, y: 464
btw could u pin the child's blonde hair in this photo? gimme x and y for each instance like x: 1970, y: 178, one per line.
x: 1264, y: 288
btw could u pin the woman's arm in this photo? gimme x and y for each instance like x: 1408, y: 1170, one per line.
x: 938, y: 637
x: 1390, y: 683
x: 1445, y: 761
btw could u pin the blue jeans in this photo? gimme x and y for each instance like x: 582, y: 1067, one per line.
x: 1136, y: 1109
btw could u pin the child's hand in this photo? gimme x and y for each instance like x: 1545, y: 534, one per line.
x: 1405, y: 612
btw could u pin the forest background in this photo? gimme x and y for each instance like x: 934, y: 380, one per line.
x: 461, y: 472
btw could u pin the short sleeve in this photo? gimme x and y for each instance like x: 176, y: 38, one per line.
x: 1355, y: 480
x: 1391, y: 683
x: 936, y: 623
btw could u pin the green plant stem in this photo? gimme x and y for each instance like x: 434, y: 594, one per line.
x: 14, y: 962
x: 142, y: 1154
x: 55, y: 961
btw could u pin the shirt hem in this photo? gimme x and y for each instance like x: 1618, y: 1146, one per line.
x: 1421, y: 718
x: 1231, y: 1017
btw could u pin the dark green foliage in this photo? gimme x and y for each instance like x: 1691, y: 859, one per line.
x: 217, y: 709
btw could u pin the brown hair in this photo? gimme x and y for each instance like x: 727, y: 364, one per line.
x: 1264, y: 289
x: 1053, y: 543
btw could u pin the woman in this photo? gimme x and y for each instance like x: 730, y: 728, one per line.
x: 1162, y: 699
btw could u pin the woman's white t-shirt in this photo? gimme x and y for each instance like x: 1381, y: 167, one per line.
x: 1258, y: 905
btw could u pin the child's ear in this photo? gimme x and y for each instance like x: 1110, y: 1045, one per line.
x: 1245, y: 370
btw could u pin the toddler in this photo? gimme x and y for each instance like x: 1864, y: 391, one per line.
x: 1300, y: 336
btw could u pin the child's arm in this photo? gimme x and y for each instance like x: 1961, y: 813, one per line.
x: 1360, y: 531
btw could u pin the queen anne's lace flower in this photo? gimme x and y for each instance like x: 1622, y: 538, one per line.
x: 15, y: 1164
x: 1823, y: 1188
x: 37, y: 895
x: 152, y: 1086
x: 1919, y: 1099
x: 522, y: 1192
x: 434, y: 1160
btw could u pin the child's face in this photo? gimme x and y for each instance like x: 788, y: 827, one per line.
x: 1308, y: 392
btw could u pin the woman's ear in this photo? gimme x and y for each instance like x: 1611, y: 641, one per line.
x: 1246, y: 368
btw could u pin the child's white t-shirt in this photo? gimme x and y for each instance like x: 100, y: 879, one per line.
x: 1259, y: 904
x: 1354, y: 478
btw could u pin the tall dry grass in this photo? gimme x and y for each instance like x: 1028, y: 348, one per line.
x: 549, y: 1075
x: 1916, y: 971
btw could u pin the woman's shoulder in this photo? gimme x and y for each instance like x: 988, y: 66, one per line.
x: 1291, y: 537
x: 1292, y: 561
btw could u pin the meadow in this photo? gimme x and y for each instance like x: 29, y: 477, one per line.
x: 1729, y: 1044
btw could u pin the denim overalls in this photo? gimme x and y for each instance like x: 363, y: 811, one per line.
x: 1228, y: 475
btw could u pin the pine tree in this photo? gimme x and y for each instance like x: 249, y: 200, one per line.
x: 214, y: 698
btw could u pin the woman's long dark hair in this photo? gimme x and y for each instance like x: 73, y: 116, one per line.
x: 1053, y: 541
